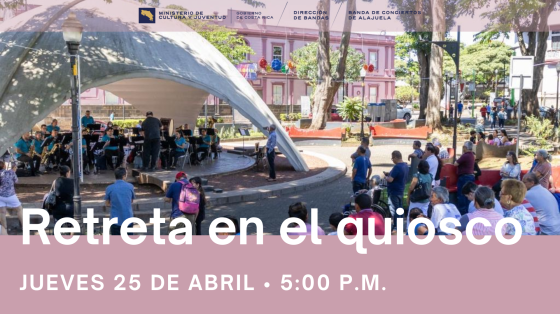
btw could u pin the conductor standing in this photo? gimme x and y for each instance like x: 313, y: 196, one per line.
x: 270, y: 153
x: 151, y: 131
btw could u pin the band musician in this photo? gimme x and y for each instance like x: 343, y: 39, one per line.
x: 25, y: 152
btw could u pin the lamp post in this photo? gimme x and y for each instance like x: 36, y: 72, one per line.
x: 363, y: 75
x: 445, y: 94
x: 72, y: 31
x: 496, y: 73
x: 557, y: 93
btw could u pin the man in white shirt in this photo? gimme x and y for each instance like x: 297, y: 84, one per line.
x: 430, y: 157
x: 544, y: 203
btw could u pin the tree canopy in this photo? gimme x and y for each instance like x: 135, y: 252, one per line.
x: 305, y: 59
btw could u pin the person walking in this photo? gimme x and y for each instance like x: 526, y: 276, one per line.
x: 270, y: 153
x: 151, y: 131
x: 197, y: 183
x: 173, y: 196
x: 119, y: 196
x: 8, y: 197
x: 459, y: 110
x: 494, y: 115
x: 465, y: 173
x: 396, y: 181
x: 501, y: 118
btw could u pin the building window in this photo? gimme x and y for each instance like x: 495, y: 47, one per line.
x: 277, y: 53
x: 277, y: 94
x: 373, y: 59
x: 309, y: 90
x: 555, y: 38
x: 373, y: 94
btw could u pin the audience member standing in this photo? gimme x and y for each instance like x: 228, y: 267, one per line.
x: 361, y: 171
x: 197, y: 183
x: 545, y: 205
x: 119, y: 196
x: 364, y: 144
x: 423, y: 177
x: 465, y: 173
x: 431, y: 158
x: 271, y: 153
x: 8, y: 197
x: 151, y: 131
x: 396, y: 181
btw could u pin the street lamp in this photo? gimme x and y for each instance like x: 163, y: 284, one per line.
x: 557, y: 92
x: 72, y: 31
x: 496, y: 73
x: 363, y: 75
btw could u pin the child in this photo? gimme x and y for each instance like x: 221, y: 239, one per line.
x: 420, y: 229
x: 490, y: 139
x: 417, y: 151
x: 334, y: 221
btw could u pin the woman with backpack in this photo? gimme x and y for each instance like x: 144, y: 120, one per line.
x: 185, y: 200
x: 197, y: 183
x: 420, y: 189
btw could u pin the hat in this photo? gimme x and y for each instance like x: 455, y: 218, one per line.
x: 180, y: 175
x: 149, y: 113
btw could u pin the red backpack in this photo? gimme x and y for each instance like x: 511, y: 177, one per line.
x: 189, y: 199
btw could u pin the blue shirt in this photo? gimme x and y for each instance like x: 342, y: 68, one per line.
x: 86, y: 121
x: 106, y: 138
x: 50, y: 128
x: 180, y: 142
x: 208, y: 139
x: 84, y: 146
x: 362, y: 164
x: 120, y: 194
x: 271, y: 143
x: 51, y: 144
x: 23, y: 145
x: 399, y: 173
x: 460, y: 107
x: 173, y: 193
x: 37, y: 146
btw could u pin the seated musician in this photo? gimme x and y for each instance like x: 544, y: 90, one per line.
x: 205, y: 146
x: 44, y: 131
x: 53, y: 126
x: 182, y: 146
x: 53, y: 149
x: 215, y: 147
x: 111, y: 151
x: 86, y: 161
x: 39, y: 138
x: 110, y: 126
x: 25, y: 153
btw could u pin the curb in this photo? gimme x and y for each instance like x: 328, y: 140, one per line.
x: 141, y: 207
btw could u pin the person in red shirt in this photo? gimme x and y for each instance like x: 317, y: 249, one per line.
x: 364, y: 211
x: 483, y: 112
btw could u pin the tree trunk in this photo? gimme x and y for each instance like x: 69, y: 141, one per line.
x: 433, y: 118
x: 424, y: 65
x: 327, y: 87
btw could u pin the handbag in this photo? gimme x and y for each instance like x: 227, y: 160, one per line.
x: 49, y: 201
x: 421, y: 191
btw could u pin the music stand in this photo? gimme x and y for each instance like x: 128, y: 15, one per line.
x: 187, y: 133
x: 243, y: 132
x: 115, y: 132
x: 94, y: 127
x: 66, y: 138
x: 136, y: 131
x: 210, y: 132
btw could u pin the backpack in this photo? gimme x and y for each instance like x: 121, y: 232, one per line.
x: 189, y: 199
x: 422, y: 190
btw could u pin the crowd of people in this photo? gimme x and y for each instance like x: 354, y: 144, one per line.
x: 532, y: 201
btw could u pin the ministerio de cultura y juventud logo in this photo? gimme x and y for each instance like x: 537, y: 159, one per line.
x: 146, y: 15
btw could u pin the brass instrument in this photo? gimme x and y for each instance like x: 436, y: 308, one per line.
x: 47, y: 154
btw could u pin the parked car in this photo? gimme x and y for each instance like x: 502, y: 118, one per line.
x: 404, y: 113
x: 334, y: 115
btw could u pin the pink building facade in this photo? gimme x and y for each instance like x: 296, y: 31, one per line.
x: 272, y: 42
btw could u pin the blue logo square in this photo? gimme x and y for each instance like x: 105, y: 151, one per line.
x: 147, y: 15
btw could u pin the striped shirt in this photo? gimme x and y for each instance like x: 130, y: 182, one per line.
x: 479, y: 229
x: 529, y: 207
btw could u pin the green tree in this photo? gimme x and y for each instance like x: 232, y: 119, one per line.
x: 305, y: 59
x: 226, y: 40
x: 405, y: 94
x: 520, y: 16
x: 11, y: 4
